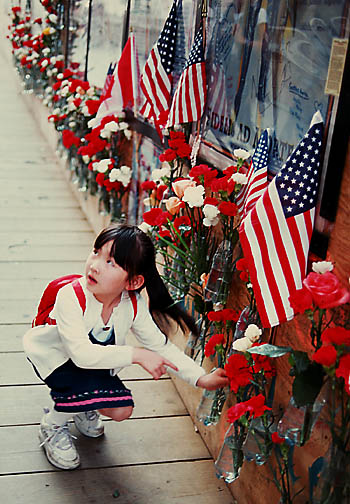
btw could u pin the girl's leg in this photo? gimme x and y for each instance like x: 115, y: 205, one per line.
x: 117, y: 414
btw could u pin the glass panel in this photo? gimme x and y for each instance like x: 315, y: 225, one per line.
x: 106, y: 38
x: 78, y: 28
x: 267, y: 63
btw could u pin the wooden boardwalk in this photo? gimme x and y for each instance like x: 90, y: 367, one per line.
x: 154, y: 457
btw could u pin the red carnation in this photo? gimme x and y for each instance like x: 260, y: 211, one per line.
x: 214, y: 341
x: 228, y: 208
x: 326, y: 356
x: 336, y: 336
x: 276, y: 438
x: 343, y: 371
x: 148, y: 185
x: 155, y: 217
x: 168, y: 155
x: 301, y: 300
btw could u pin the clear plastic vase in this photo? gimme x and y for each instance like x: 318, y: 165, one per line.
x: 333, y: 486
x: 210, y: 406
x: 248, y: 316
x: 220, y: 275
x: 257, y: 446
x: 297, y: 424
x: 230, y: 460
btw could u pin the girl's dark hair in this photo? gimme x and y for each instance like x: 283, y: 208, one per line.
x: 134, y: 251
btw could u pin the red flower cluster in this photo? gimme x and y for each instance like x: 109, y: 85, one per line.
x: 255, y: 406
x: 178, y: 147
x: 202, y: 174
x: 238, y: 371
x: 214, y: 341
x: 156, y: 217
x: 69, y: 139
x: 223, y: 315
x: 242, y: 266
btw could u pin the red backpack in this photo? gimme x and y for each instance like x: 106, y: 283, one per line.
x: 48, y: 299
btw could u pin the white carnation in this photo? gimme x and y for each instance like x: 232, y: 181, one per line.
x: 123, y: 175
x: 194, y: 196
x: 322, y: 266
x: 241, y: 153
x: 211, y: 213
x: 111, y: 126
x: 239, y: 178
x: 102, y: 166
x: 53, y: 18
x: 158, y: 173
x: 253, y: 332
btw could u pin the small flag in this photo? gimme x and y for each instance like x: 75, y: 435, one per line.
x: 275, y: 235
x: 191, y: 92
x: 257, y: 177
x: 107, y: 88
x: 156, y: 78
x: 123, y: 91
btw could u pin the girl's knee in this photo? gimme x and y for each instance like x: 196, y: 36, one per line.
x: 118, y: 414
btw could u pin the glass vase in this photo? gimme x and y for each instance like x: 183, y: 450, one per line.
x: 230, y: 460
x: 257, y: 445
x: 333, y: 486
x: 210, y: 406
x: 220, y: 275
x: 116, y: 209
x: 248, y: 316
x: 297, y: 424
x: 103, y: 202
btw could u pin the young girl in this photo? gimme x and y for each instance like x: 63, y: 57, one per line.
x: 80, y: 357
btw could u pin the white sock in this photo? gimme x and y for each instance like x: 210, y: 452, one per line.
x: 54, y: 417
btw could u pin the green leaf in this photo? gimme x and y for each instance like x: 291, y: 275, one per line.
x: 307, y: 384
x: 270, y: 350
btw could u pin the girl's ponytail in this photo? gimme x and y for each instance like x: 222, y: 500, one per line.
x: 161, y: 304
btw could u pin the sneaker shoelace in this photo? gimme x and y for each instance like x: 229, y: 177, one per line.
x: 61, y: 436
x: 91, y: 415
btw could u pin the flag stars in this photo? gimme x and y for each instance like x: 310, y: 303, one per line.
x: 301, y: 204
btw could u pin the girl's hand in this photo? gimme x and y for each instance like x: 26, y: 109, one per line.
x: 212, y: 381
x: 152, y: 362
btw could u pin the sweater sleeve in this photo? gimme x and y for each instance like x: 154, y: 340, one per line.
x: 75, y: 339
x: 150, y: 336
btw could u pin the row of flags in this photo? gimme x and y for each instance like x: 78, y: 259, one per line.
x: 151, y: 92
x: 277, y: 218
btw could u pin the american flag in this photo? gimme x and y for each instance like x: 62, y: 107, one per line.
x: 275, y: 235
x: 191, y: 92
x: 257, y: 177
x: 217, y: 99
x: 106, y: 91
x: 156, y: 78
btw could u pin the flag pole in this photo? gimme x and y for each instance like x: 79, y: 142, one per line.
x: 204, y: 15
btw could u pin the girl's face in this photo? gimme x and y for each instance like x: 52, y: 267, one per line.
x: 104, y: 277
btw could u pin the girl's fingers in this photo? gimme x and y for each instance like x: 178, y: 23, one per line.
x: 170, y: 364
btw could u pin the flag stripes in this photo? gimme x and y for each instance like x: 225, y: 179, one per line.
x: 275, y: 234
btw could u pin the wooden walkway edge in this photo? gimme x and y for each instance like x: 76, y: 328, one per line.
x: 154, y: 457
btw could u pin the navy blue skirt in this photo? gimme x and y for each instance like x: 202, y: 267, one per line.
x: 75, y: 389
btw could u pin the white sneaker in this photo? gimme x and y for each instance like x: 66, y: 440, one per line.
x: 58, y: 445
x: 89, y: 423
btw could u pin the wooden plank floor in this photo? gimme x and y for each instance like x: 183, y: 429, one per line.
x: 154, y: 457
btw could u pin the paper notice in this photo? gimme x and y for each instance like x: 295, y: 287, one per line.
x: 336, y: 66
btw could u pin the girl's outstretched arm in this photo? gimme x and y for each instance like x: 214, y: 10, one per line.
x: 211, y: 381
x: 152, y: 362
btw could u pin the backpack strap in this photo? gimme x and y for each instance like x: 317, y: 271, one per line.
x: 134, y: 302
x: 80, y: 294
